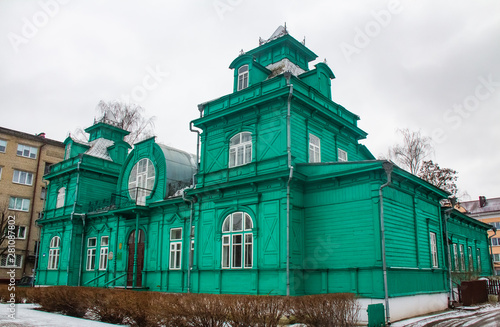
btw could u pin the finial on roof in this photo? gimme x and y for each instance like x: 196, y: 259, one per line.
x: 325, y: 61
x: 242, y: 52
x: 285, y: 28
x: 304, y: 40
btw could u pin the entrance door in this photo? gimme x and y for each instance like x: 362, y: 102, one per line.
x: 140, y: 259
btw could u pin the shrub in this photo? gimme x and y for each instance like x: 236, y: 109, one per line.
x: 339, y: 309
x: 68, y: 300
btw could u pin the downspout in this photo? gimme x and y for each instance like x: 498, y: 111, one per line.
x: 82, y: 251
x: 288, y: 75
x: 197, y: 149
x: 136, y: 241
x: 26, y: 250
x: 190, y: 252
x: 491, y: 249
x: 446, y: 217
x: 72, y: 215
x: 388, y: 171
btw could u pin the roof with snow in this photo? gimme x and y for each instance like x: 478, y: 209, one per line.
x: 479, y: 207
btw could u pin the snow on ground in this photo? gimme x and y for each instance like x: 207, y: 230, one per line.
x: 464, y: 312
x: 27, y: 316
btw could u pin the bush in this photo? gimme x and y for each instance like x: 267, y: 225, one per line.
x: 185, y: 310
x: 338, y: 309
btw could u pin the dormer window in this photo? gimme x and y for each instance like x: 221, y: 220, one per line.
x: 243, y: 77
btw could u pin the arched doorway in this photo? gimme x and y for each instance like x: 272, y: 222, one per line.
x: 140, y: 258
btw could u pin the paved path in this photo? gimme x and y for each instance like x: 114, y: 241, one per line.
x: 480, y: 318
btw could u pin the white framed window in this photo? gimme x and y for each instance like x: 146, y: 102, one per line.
x: 478, y: 259
x: 314, y: 148
x: 495, y: 224
x: 175, y: 248
x: 67, y: 153
x: 103, y: 254
x: 22, y: 177
x: 434, y: 253
x: 61, y: 196
x: 496, y: 257
x: 1, y: 168
x: 471, y: 261
x: 237, y: 241
x: 495, y: 241
x: 462, y: 257
x: 11, y: 260
x: 19, y: 204
x: 242, y: 77
x: 455, y: 257
x: 54, y: 251
x: 240, y: 149
x: 26, y: 151
x: 3, y: 146
x: 91, y: 252
x: 342, y: 155
x: 141, y: 180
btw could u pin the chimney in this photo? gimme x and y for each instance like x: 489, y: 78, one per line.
x: 482, y: 201
x: 42, y: 135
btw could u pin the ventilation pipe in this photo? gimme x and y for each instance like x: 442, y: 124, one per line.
x: 388, y: 166
x: 288, y: 75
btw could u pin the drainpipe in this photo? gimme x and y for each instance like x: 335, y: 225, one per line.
x: 388, y: 171
x: 26, y: 250
x: 288, y: 76
x: 72, y: 215
x: 446, y: 217
x: 491, y: 249
x: 197, y: 149
x: 190, y: 252
x: 82, y: 251
x: 136, y: 241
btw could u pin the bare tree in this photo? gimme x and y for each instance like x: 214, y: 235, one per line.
x: 444, y: 178
x: 129, y: 117
x: 411, y: 153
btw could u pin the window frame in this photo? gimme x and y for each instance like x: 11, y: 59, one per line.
x: 21, y: 177
x: 61, y: 197
x: 314, y: 149
x: 342, y: 155
x: 175, y: 249
x: 22, y: 148
x: 230, y: 244
x: 54, y: 253
x: 4, y: 146
x: 470, y: 258
x: 434, y: 250
x: 103, y: 253
x: 6, y: 258
x: 462, y: 257
x: 91, y: 253
x: 245, y: 148
x: 142, y: 185
x: 243, y: 77
x: 15, y: 200
x: 456, y: 263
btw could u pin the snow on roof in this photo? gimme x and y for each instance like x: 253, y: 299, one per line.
x: 282, y: 66
x: 280, y: 31
x: 99, y: 148
x: 474, y: 207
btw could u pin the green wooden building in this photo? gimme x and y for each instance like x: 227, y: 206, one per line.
x: 281, y: 198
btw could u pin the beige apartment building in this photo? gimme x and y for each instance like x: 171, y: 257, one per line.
x: 488, y: 211
x: 24, y: 159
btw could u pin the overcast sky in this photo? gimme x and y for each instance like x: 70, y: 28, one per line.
x: 425, y: 65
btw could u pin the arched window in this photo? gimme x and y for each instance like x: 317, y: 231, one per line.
x: 237, y: 241
x: 61, y: 195
x: 243, y: 77
x: 54, y: 253
x: 141, y: 180
x: 240, y: 149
